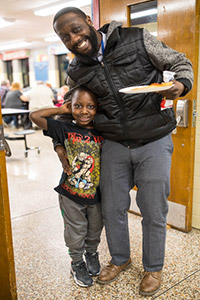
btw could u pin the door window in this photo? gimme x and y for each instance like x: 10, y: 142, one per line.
x: 63, y: 63
x: 9, y: 70
x: 144, y: 15
x: 25, y: 72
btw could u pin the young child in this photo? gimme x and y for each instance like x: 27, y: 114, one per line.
x: 79, y: 196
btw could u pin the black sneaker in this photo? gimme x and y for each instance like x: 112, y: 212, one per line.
x: 92, y: 261
x: 81, y: 275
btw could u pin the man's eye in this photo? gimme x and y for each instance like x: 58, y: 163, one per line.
x: 65, y: 39
x: 77, y: 29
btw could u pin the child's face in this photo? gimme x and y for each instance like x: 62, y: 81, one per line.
x: 84, y: 107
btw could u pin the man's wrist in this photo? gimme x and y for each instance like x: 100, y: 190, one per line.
x: 187, y: 86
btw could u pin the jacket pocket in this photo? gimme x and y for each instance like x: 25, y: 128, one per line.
x: 85, y: 77
x: 129, y: 67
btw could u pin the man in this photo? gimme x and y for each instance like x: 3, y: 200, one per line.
x: 138, y: 144
x: 40, y: 96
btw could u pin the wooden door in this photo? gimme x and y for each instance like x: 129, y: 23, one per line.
x: 8, y: 288
x: 178, y: 27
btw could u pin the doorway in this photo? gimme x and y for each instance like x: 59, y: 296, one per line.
x: 161, y: 17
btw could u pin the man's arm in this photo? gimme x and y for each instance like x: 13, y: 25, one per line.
x: 166, y: 58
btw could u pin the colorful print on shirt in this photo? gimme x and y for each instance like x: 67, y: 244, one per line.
x: 83, y: 147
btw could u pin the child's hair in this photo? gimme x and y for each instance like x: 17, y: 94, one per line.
x: 69, y: 95
x: 83, y: 88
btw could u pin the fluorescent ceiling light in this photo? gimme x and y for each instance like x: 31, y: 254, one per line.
x: 6, y: 22
x: 17, y: 45
x: 144, y: 13
x: 52, y: 39
x: 51, y: 10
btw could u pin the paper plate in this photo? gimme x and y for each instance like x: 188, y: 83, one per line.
x: 144, y: 89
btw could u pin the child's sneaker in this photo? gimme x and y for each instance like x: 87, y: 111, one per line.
x: 92, y: 261
x: 81, y: 275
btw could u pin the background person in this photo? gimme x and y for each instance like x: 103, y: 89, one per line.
x: 55, y: 93
x: 4, y: 88
x: 40, y: 96
x: 138, y: 144
x: 61, y: 93
x: 14, y: 99
x: 79, y: 195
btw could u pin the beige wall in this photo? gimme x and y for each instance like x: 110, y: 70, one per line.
x: 196, y: 192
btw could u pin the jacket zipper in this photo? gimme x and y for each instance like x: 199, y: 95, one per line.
x: 118, y: 99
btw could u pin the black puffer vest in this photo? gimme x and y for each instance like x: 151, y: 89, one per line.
x: 131, y: 119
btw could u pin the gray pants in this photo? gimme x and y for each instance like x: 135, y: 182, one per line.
x: 82, y: 227
x: 147, y: 167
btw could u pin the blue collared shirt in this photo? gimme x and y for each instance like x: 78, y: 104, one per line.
x: 104, y: 41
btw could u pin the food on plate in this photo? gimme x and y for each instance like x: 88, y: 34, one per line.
x: 161, y: 84
x: 155, y: 84
x: 153, y: 87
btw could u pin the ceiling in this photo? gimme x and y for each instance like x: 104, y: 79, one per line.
x: 28, y: 27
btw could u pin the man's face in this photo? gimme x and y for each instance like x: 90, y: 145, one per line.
x: 77, y: 34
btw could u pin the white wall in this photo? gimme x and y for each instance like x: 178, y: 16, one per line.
x: 36, y: 55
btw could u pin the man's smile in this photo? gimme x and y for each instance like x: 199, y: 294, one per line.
x: 83, y: 45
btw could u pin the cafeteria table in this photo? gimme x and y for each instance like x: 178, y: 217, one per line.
x: 13, y: 112
x: 23, y: 133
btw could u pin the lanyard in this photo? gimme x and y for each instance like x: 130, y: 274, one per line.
x: 102, y: 46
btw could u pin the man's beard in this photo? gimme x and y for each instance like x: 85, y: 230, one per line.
x: 92, y: 37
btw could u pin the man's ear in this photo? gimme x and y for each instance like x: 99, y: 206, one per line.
x: 89, y: 21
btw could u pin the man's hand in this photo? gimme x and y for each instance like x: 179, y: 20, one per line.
x: 62, y: 155
x: 174, y: 92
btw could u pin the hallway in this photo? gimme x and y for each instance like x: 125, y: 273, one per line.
x: 41, y: 259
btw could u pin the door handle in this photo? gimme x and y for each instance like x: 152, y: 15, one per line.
x: 182, y: 107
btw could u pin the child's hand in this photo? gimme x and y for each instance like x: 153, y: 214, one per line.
x: 66, y: 108
x: 62, y: 154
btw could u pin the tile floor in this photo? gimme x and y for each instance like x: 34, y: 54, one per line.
x: 41, y: 259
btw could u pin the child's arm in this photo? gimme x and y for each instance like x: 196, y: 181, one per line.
x: 39, y: 116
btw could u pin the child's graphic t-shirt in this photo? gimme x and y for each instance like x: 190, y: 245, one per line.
x: 83, y: 148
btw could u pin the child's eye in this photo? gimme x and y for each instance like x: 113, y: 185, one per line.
x: 77, y: 106
x: 91, y: 106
